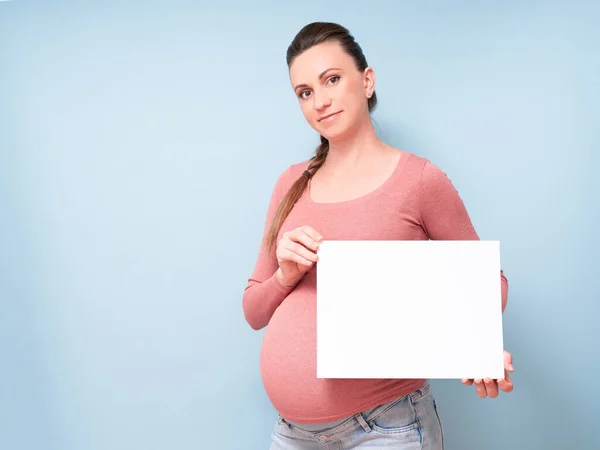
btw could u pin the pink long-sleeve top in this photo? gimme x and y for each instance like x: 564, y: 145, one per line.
x: 418, y: 201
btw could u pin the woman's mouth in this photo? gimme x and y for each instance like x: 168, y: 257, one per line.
x: 329, y: 117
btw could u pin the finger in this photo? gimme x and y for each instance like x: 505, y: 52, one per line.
x: 289, y: 250
x: 312, y: 233
x: 292, y: 242
x: 287, y: 255
x: 506, y: 384
x: 305, y: 239
x: 508, y: 362
x: 301, y: 250
x: 467, y: 381
x: 491, y: 387
x: 480, y: 388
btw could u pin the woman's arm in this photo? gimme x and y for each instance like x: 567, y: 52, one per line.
x: 443, y: 213
x: 264, y: 292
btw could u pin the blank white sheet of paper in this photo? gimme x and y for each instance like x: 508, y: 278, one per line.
x: 409, y: 309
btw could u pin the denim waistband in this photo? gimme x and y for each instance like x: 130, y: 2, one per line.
x: 317, y: 427
x: 366, y: 415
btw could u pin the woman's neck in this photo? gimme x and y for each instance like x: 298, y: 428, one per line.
x: 352, y: 150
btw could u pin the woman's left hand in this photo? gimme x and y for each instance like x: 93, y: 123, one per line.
x: 488, y: 387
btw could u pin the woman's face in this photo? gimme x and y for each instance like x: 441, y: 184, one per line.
x: 331, y: 91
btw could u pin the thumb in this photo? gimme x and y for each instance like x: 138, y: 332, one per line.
x: 508, y: 361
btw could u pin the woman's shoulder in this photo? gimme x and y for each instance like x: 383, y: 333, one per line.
x: 291, y: 173
x: 432, y: 180
x: 422, y: 167
x: 294, y: 171
x: 298, y: 168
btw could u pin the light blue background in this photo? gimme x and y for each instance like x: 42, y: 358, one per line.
x: 139, y: 143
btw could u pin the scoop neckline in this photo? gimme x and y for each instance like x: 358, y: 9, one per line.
x: 397, y: 170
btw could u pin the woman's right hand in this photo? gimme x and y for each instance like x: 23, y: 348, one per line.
x: 297, y: 253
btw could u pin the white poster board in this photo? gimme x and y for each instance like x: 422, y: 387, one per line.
x: 409, y: 309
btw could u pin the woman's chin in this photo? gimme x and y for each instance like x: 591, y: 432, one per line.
x: 335, y: 135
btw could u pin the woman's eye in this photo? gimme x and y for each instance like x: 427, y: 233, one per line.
x: 333, y: 80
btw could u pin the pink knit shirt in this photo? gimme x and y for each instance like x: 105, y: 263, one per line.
x: 418, y: 201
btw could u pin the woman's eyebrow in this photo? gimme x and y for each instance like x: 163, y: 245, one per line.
x: 321, y: 75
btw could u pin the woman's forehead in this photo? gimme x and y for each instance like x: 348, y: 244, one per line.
x: 309, y: 65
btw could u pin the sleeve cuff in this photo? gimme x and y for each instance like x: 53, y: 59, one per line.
x: 280, y: 287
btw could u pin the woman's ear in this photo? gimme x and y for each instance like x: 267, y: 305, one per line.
x: 369, y: 81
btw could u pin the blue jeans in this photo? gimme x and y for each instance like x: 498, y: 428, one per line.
x: 410, y: 422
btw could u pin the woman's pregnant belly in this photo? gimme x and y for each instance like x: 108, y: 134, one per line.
x: 288, y: 363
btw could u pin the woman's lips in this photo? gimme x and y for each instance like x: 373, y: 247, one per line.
x: 329, y: 117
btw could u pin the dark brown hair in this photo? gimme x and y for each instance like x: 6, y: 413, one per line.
x: 313, y: 34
